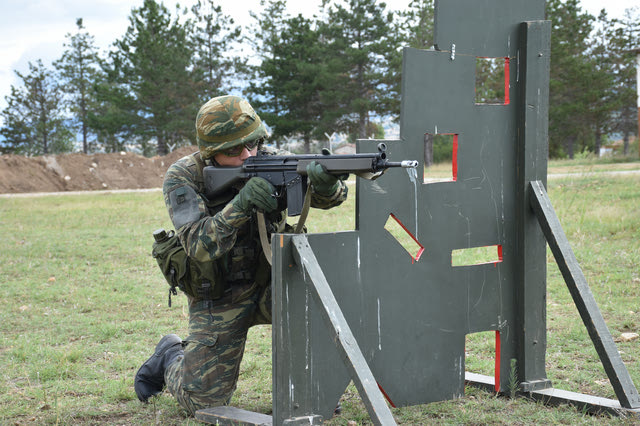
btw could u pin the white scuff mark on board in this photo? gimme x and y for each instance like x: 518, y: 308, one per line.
x: 376, y: 188
x: 413, y: 177
x: 379, y: 328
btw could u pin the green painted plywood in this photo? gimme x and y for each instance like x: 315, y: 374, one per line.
x: 410, y: 317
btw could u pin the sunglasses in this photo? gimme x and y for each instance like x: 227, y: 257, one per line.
x: 237, y: 150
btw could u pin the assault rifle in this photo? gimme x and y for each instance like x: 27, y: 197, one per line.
x: 288, y: 173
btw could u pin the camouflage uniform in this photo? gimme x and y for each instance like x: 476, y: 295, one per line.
x: 212, y: 231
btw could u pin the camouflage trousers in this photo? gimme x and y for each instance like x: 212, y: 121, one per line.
x: 207, y: 374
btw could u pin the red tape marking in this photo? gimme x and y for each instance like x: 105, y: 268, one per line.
x: 497, y: 367
x: 386, y: 396
x: 506, y: 80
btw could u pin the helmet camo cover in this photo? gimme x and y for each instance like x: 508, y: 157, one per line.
x: 224, y: 122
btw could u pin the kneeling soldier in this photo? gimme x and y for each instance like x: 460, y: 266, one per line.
x: 221, y: 234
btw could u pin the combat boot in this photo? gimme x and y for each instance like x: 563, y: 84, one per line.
x: 149, y: 379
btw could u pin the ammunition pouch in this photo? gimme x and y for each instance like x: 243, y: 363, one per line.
x: 200, y: 280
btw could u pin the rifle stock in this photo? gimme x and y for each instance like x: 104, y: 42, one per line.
x: 221, y: 179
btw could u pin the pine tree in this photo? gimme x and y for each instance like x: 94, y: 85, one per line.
x: 359, y: 39
x: 33, y: 119
x: 624, y: 40
x: 109, y: 118
x: 291, y: 71
x: 416, y: 24
x: 263, y: 91
x: 297, y: 71
x: 571, y: 74
x: 213, y: 36
x: 78, y: 69
x: 150, y: 85
x: 602, y: 98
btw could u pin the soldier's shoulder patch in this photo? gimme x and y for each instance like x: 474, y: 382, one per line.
x: 184, y: 206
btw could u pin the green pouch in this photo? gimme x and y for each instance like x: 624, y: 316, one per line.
x: 172, y: 260
x: 196, y: 279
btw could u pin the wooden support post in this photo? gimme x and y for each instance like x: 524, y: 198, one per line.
x: 341, y: 334
x: 532, y: 102
x: 583, y: 298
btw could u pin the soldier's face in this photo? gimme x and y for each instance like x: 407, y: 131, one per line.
x: 236, y: 161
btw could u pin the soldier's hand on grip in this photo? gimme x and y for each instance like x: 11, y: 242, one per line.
x: 323, y: 183
x: 257, y: 193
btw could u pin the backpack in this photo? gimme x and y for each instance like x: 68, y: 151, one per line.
x: 196, y: 279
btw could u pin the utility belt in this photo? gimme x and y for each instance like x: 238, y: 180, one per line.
x: 236, y: 276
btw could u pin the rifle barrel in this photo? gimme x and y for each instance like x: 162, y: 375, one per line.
x: 406, y: 164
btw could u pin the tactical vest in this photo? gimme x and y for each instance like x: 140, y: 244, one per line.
x: 234, y: 276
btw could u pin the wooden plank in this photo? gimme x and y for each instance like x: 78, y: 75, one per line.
x: 487, y: 383
x: 342, y: 335
x: 586, y: 403
x: 583, y: 298
x: 226, y: 415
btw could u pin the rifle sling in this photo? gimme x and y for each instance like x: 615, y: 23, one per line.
x: 262, y: 230
x: 262, y: 225
x: 305, y: 209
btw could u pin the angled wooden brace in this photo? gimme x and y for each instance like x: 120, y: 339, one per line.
x: 583, y: 298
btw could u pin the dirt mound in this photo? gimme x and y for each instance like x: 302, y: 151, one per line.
x: 78, y: 172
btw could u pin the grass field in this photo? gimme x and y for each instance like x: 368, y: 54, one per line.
x: 84, y: 304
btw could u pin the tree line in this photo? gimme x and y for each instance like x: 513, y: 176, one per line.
x: 338, y: 71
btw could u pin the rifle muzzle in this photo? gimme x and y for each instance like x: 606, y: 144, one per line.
x: 406, y: 164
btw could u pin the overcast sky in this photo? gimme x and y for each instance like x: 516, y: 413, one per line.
x: 35, y: 29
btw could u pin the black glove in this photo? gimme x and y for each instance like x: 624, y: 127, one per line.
x: 257, y: 193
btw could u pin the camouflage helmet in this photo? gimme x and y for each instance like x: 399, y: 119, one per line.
x: 225, y: 122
